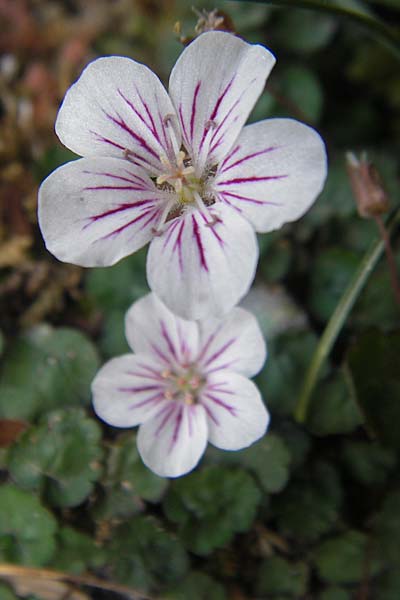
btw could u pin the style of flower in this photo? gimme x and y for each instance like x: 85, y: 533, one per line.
x: 179, y: 170
x: 186, y: 383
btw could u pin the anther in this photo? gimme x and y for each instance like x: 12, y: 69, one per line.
x: 210, y: 124
x: 188, y: 398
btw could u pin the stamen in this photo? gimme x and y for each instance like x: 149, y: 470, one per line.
x: 164, y: 215
x: 202, y: 158
x: 172, y: 135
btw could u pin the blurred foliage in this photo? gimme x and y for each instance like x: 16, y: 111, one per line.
x: 309, y: 511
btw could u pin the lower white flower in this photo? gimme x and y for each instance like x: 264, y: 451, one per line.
x: 187, y: 383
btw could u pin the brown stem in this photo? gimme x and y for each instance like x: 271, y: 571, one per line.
x: 394, y: 279
x: 10, y: 572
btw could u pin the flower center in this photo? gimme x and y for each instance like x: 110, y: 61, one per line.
x: 181, y: 178
x: 184, y: 386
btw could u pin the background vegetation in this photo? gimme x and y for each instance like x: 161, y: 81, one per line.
x: 311, y: 511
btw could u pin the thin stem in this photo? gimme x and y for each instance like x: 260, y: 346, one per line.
x: 386, y: 34
x: 394, y: 279
x: 339, y: 317
x: 11, y: 572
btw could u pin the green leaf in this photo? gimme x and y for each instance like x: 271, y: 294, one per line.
x: 197, y: 586
x: 26, y: 528
x: 368, y: 462
x: 300, y: 86
x: 331, y: 272
x: 143, y: 555
x: 211, y: 505
x: 279, y: 576
x: 280, y: 380
x: 6, y: 592
x: 60, y: 455
x: 44, y: 369
x: 310, y: 508
x: 374, y: 366
x: 386, y: 528
x: 335, y: 593
x: 127, y: 481
x: 333, y: 408
x: 387, y: 585
x: 76, y: 552
x: 118, y: 286
x: 304, y: 31
x: 342, y: 559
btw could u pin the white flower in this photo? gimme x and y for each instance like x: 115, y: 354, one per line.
x: 186, y: 383
x: 179, y: 170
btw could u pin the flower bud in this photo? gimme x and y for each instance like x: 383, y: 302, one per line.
x: 369, y: 193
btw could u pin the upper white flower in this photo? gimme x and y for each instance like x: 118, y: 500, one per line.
x: 179, y: 170
x: 186, y: 383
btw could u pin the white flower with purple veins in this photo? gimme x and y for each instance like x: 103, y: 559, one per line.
x: 186, y: 383
x: 178, y: 170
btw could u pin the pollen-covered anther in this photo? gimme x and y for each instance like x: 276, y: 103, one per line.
x: 166, y: 374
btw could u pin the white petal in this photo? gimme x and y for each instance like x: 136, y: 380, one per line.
x: 128, y: 390
x: 95, y: 211
x: 200, y: 270
x: 236, y: 413
x: 216, y: 82
x: 172, y: 443
x: 151, y: 328
x: 116, y: 105
x: 234, y: 343
x: 273, y: 173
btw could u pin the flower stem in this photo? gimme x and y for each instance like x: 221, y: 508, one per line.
x: 386, y: 34
x: 394, y: 279
x: 339, y: 317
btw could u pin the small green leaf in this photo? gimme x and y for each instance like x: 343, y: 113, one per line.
x: 197, y: 586
x: 342, y: 559
x: 60, y: 456
x: 44, y: 369
x: 26, y: 528
x: 335, y: 593
x: 387, y: 528
x: 304, y: 31
x: 279, y: 576
x: 6, y: 592
x: 76, y: 552
x: 333, y: 408
x: 301, y: 87
x: 211, y: 505
x: 143, y: 555
x: 368, y: 462
x: 374, y: 366
x: 127, y: 481
x: 309, y: 508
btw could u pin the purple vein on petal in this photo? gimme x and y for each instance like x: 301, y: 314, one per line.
x: 131, y: 179
x: 159, y: 397
x: 210, y: 414
x: 166, y: 337
x: 220, y: 351
x: 240, y: 161
x: 198, y: 240
x: 251, y: 179
x: 151, y: 211
x: 150, y: 127
x: 178, y: 424
x: 231, y: 409
x: 208, y: 342
x: 118, y: 209
x: 178, y: 245
x: 138, y: 138
x: 169, y: 409
x: 245, y: 199
x: 194, y: 108
x: 160, y: 353
x: 213, y: 231
x: 140, y: 388
x: 220, y: 99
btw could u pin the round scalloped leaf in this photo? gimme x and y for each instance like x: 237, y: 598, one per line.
x: 76, y: 552
x: 342, y: 559
x: 144, y: 556
x: 268, y: 459
x: 279, y: 576
x: 60, y: 455
x: 387, y: 528
x: 127, y: 482
x: 212, y: 505
x: 309, y: 508
x: 333, y: 408
x: 26, y: 528
x: 197, y: 586
x: 368, y: 463
x: 374, y: 367
x: 46, y: 368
